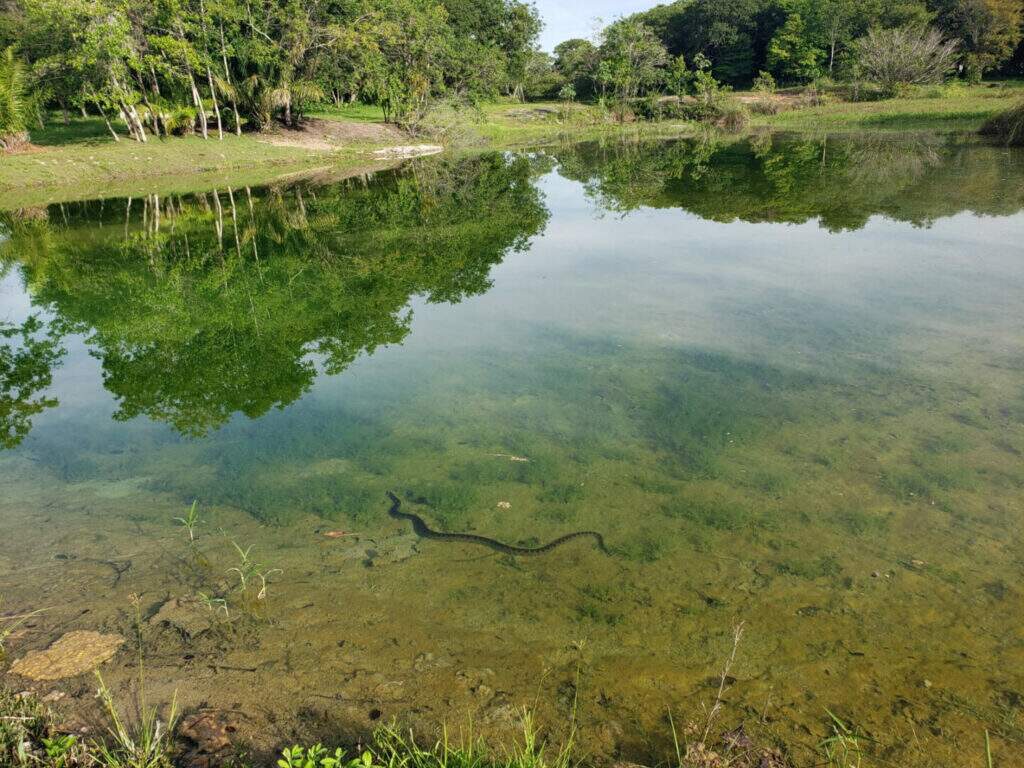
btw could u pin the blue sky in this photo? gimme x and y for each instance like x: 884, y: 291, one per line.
x: 575, y: 18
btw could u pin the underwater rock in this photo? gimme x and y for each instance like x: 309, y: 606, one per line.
x: 183, y: 615
x: 208, y: 733
x: 74, y: 653
x: 393, y: 549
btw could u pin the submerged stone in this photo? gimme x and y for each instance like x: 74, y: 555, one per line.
x: 186, y: 616
x: 74, y: 653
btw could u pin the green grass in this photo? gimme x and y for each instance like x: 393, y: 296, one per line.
x: 945, y: 110
x: 361, y: 113
x: 82, y: 160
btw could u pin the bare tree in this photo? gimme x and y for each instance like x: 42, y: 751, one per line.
x: 905, y: 56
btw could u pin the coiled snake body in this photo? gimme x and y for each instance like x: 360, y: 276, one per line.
x: 424, y: 531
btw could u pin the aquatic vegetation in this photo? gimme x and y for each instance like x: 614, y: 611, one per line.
x: 214, y: 604
x: 764, y: 421
x: 842, y: 748
x: 145, y: 743
x: 10, y: 624
x: 190, y: 521
x: 249, y: 570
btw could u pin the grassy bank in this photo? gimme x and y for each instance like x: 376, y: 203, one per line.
x: 81, y: 159
x: 943, y: 109
x: 31, y: 737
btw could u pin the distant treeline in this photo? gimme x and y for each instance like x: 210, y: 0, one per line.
x: 797, y: 41
x: 164, y: 67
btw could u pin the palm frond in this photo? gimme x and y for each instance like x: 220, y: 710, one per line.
x: 14, y: 95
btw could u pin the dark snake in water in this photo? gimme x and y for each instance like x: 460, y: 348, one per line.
x: 424, y: 531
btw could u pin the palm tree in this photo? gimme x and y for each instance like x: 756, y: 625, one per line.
x: 14, y: 99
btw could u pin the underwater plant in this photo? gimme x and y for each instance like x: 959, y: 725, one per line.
x: 842, y: 748
x: 8, y: 624
x: 214, y: 604
x: 249, y: 570
x: 190, y: 521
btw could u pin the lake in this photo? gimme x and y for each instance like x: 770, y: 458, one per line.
x: 782, y: 377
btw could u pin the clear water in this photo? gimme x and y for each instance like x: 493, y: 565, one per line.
x: 784, y: 379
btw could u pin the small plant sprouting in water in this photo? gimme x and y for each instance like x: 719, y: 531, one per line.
x: 214, y: 604
x: 249, y: 570
x: 263, y: 581
x: 246, y: 568
x: 190, y: 521
x: 8, y: 625
x: 842, y: 748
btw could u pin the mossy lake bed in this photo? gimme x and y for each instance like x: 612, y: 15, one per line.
x: 783, y: 377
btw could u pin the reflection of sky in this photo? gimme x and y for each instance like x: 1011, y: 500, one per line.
x: 77, y: 380
x: 564, y: 19
x: 14, y: 302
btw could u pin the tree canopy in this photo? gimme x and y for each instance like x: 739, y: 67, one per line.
x: 797, y: 40
x: 174, y: 66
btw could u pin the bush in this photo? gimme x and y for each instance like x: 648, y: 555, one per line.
x: 1007, y: 127
x: 765, y: 107
x: 732, y: 116
x: 449, y: 121
x: 897, y: 58
x: 764, y: 83
x: 812, y: 96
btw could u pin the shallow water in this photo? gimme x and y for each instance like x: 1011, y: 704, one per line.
x: 784, y: 379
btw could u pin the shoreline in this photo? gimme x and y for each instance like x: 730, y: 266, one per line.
x: 79, y: 161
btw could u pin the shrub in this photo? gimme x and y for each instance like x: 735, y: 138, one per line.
x: 732, y: 116
x: 764, y: 83
x: 765, y: 107
x: 904, y: 56
x: 1007, y: 127
x: 449, y: 121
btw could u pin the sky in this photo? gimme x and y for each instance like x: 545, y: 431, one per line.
x: 564, y: 19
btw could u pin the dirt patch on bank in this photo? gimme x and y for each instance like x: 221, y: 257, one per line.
x: 326, y: 135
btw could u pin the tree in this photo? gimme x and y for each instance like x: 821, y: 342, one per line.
x: 905, y: 56
x: 791, y: 55
x: 734, y: 34
x: 632, y: 58
x: 988, y: 30
x: 542, y: 81
x: 14, y: 99
x: 406, y: 44
x: 576, y: 60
